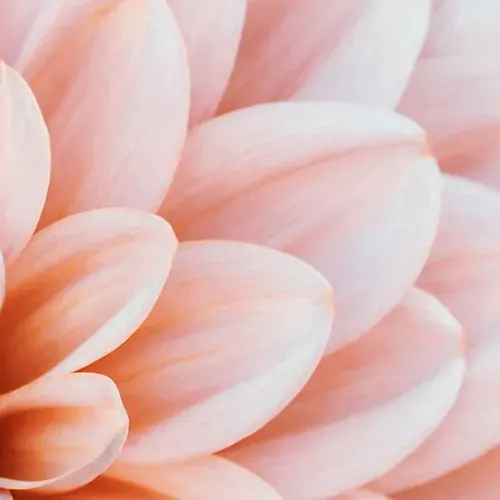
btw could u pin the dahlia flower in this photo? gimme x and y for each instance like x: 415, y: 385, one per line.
x: 184, y: 183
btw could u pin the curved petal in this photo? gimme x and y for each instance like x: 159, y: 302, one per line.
x: 456, y: 100
x: 208, y: 478
x: 461, y: 27
x: 453, y: 90
x: 464, y: 273
x: 476, y: 480
x: 24, y: 163
x: 120, y: 148
x: 286, y: 175
x: 237, y: 332
x: 398, y: 380
x: 30, y: 29
x: 53, y: 430
x: 87, y: 474
x: 212, y: 38
x: 331, y: 62
x: 5, y: 495
x: 80, y: 288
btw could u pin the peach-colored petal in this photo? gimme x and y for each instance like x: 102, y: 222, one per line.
x: 323, y: 49
x: 24, y: 162
x: 54, y: 429
x: 360, y: 495
x: 205, y: 478
x: 236, y: 334
x: 29, y: 28
x: 79, y: 289
x: 464, y: 273
x: 478, y: 480
x: 365, y: 408
x: 211, y: 31
x: 453, y: 91
x: 114, y: 93
x: 287, y: 175
x: 208, y: 478
x: 102, y: 462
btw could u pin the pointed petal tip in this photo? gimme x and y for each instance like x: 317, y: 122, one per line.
x: 86, y: 282
x: 242, y: 325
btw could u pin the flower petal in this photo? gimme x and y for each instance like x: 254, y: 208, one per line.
x: 212, y: 37
x: 360, y: 495
x: 343, y: 44
x: 54, y: 429
x: 286, y: 175
x: 24, y: 162
x: 476, y: 480
x: 207, y: 478
x: 80, y: 288
x: 242, y: 327
x: 87, y: 474
x: 456, y: 101
x: 398, y: 380
x: 29, y: 29
x: 453, y: 91
x: 461, y: 27
x: 464, y: 273
x: 120, y: 148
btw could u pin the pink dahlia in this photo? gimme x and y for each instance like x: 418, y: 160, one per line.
x: 184, y: 182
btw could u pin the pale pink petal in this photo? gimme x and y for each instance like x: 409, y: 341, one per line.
x: 79, y: 289
x: 236, y: 334
x: 30, y: 28
x: 464, y: 273
x: 51, y: 431
x: 351, y: 190
x: 24, y: 162
x: 453, y: 92
x: 323, y: 49
x: 211, y: 31
x: 5, y: 495
x: 478, y: 480
x: 114, y: 93
x: 208, y: 478
x: 456, y: 100
x: 462, y: 27
x: 366, y: 407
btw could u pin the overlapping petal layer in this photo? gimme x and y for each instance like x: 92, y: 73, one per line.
x: 200, y: 479
x: 464, y: 273
x: 79, y: 289
x: 114, y: 92
x: 324, y: 50
x: 453, y: 90
x: 61, y: 432
x: 365, y: 408
x: 478, y: 479
x: 211, y: 32
x: 351, y: 190
x: 237, y: 332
